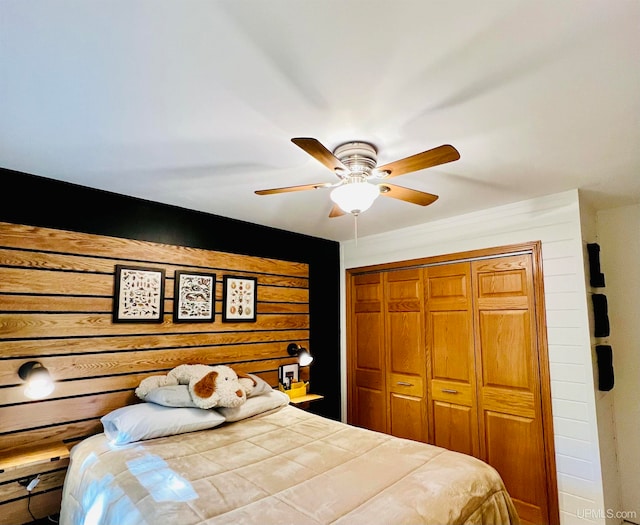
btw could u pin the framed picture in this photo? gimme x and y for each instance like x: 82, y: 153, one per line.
x: 138, y: 295
x: 194, y: 297
x: 240, y: 298
x: 288, y: 374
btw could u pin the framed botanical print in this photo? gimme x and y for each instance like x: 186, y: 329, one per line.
x: 194, y: 297
x: 240, y: 298
x: 138, y: 294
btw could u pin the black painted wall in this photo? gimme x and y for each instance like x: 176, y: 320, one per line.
x: 38, y: 201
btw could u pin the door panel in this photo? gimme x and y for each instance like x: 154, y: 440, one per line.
x: 453, y: 392
x: 450, y: 347
x: 506, y: 348
x: 404, y: 322
x: 369, y: 343
x: 453, y: 426
x: 410, y: 385
x: 407, y: 416
x: 508, y: 437
x: 371, y: 413
x: 405, y: 342
x: 449, y: 288
x: 509, y: 391
x: 450, y: 335
x: 368, y: 405
x: 478, y: 330
x: 406, y: 369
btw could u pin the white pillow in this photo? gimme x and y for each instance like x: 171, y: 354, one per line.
x: 148, y: 421
x: 255, y: 405
x: 261, y: 388
x: 171, y: 396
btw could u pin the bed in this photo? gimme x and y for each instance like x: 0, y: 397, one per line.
x: 278, y: 465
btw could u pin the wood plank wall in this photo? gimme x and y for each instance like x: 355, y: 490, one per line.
x: 56, y: 290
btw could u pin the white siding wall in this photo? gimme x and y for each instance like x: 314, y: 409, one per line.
x: 554, y: 220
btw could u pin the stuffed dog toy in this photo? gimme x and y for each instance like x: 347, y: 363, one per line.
x: 209, y: 386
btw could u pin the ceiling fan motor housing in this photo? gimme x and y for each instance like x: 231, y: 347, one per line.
x: 359, y: 157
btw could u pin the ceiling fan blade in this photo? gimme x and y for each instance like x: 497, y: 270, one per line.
x: 420, y: 161
x: 287, y: 189
x: 336, y: 211
x: 405, y: 194
x: 314, y: 148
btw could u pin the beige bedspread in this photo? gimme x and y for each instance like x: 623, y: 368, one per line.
x: 287, y: 466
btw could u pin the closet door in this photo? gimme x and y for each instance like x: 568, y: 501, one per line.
x: 368, y: 405
x: 508, y: 375
x: 450, y: 347
x: 406, y: 385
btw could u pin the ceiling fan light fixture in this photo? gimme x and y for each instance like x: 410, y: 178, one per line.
x: 356, y: 165
x: 355, y: 197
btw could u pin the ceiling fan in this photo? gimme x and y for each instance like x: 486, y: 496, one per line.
x: 361, y: 181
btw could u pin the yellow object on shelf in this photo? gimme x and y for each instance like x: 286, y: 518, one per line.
x: 297, y: 389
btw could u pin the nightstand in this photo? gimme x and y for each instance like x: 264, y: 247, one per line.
x: 303, y: 402
x: 18, y: 468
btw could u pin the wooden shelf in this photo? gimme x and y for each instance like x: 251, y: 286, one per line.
x: 28, y: 457
x: 305, y: 399
x: 49, y: 464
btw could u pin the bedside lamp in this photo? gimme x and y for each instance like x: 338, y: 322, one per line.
x: 304, y: 357
x: 39, y: 382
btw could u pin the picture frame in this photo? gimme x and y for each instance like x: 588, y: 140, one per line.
x: 239, y: 299
x: 138, y: 294
x: 288, y: 374
x: 194, y: 297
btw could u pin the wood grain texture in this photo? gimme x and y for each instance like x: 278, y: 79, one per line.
x: 406, y: 419
x: 454, y: 427
x: 79, y: 284
x: 56, y: 301
x: 387, y: 388
x: 487, y: 362
x: 41, y: 505
x: 67, y: 432
x: 67, y: 346
x: 42, y: 413
x: 509, y: 385
x: 62, y: 325
x: 29, y: 456
x: 33, y: 470
x: 450, y: 346
x: 62, y: 241
x: 48, y: 481
x: 365, y: 358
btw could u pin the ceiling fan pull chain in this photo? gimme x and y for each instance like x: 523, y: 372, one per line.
x: 355, y: 225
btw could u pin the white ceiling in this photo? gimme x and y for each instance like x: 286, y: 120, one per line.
x: 194, y: 103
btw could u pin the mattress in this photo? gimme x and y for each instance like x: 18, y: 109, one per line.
x: 286, y: 466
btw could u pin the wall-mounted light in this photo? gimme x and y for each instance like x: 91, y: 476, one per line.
x: 39, y: 382
x: 304, y: 357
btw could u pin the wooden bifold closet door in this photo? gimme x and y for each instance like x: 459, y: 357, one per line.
x: 450, y: 347
x: 367, y: 406
x: 388, y: 376
x: 485, y: 395
x: 406, y: 370
x: 452, y: 354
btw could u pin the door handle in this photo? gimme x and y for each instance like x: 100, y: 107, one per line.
x: 404, y: 383
x: 449, y: 391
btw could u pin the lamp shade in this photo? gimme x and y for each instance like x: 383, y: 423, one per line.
x: 38, y: 381
x: 355, y: 197
x: 304, y: 356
